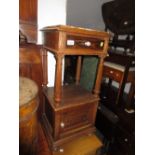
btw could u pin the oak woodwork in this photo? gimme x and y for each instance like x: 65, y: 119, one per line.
x: 30, y: 31
x: 76, y: 111
x: 70, y: 111
x: 28, y: 19
x: 55, y: 40
x: 44, y: 66
x: 28, y: 122
x: 30, y: 65
x: 78, y: 69
x: 58, y: 76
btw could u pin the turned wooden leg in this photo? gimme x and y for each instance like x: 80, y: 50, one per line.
x: 44, y: 66
x: 58, y: 79
x: 120, y: 93
x: 99, y: 77
x: 45, y: 75
x: 109, y: 83
x: 131, y: 96
x: 78, y: 70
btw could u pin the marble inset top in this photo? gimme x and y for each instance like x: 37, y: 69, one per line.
x: 28, y: 90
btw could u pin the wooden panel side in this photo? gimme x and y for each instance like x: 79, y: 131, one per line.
x: 28, y: 11
x: 50, y: 39
x: 30, y: 65
x: 28, y: 19
x: 30, y: 31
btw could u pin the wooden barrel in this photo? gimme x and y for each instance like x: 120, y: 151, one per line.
x: 28, y: 123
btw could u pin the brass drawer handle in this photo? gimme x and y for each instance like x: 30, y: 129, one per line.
x: 101, y: 45
x: 62, y: 125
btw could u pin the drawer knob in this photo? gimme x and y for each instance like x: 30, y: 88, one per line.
x: 61, y: 150
x: 126, y: 140
x: 62, y: 124
x: 111, y: 72
x: 88, y: 43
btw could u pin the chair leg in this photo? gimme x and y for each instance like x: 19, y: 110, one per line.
x: 120, y: 92
x: 109, y: 83
x: 130, y: 96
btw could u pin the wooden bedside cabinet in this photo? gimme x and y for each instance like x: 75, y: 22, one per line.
x: 70, y: 110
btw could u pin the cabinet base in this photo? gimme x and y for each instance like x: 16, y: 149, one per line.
x: 54, y: 144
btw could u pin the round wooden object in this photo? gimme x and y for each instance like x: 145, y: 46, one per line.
x: 28, y: 124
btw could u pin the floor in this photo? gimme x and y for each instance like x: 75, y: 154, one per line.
x: 43, y: 148
x: 118, y: 131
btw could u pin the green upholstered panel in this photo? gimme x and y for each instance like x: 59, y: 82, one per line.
x: 88, y: 74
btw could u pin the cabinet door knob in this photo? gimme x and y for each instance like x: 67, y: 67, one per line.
x: 62, y: 124
x: 126, y: 140
x: 111, y: 72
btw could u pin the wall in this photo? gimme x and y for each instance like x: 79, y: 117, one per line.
x: 50, y: 12
x: 85, y: 13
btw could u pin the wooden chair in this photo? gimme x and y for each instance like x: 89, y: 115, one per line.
x: 119, y: 18
x: 114, y: 118
x: 122, y: 72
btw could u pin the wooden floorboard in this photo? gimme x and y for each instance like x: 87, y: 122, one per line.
x: 83, y: 145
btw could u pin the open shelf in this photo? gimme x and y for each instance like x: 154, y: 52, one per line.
x: 72, y: 95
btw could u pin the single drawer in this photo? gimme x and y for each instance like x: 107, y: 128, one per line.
x: 112, y: 73
x: 77, y: 41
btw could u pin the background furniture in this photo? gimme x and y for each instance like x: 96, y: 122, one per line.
x: 70, y: 110
x: 119, y: 19
x: 31, y: 58
x: 117, y: 127
x: 119, y: 16
x: 30, y: 65
x: 28, y: 19
x: 116, y: 109
x: 120, y: 68
x: 28, y: 122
